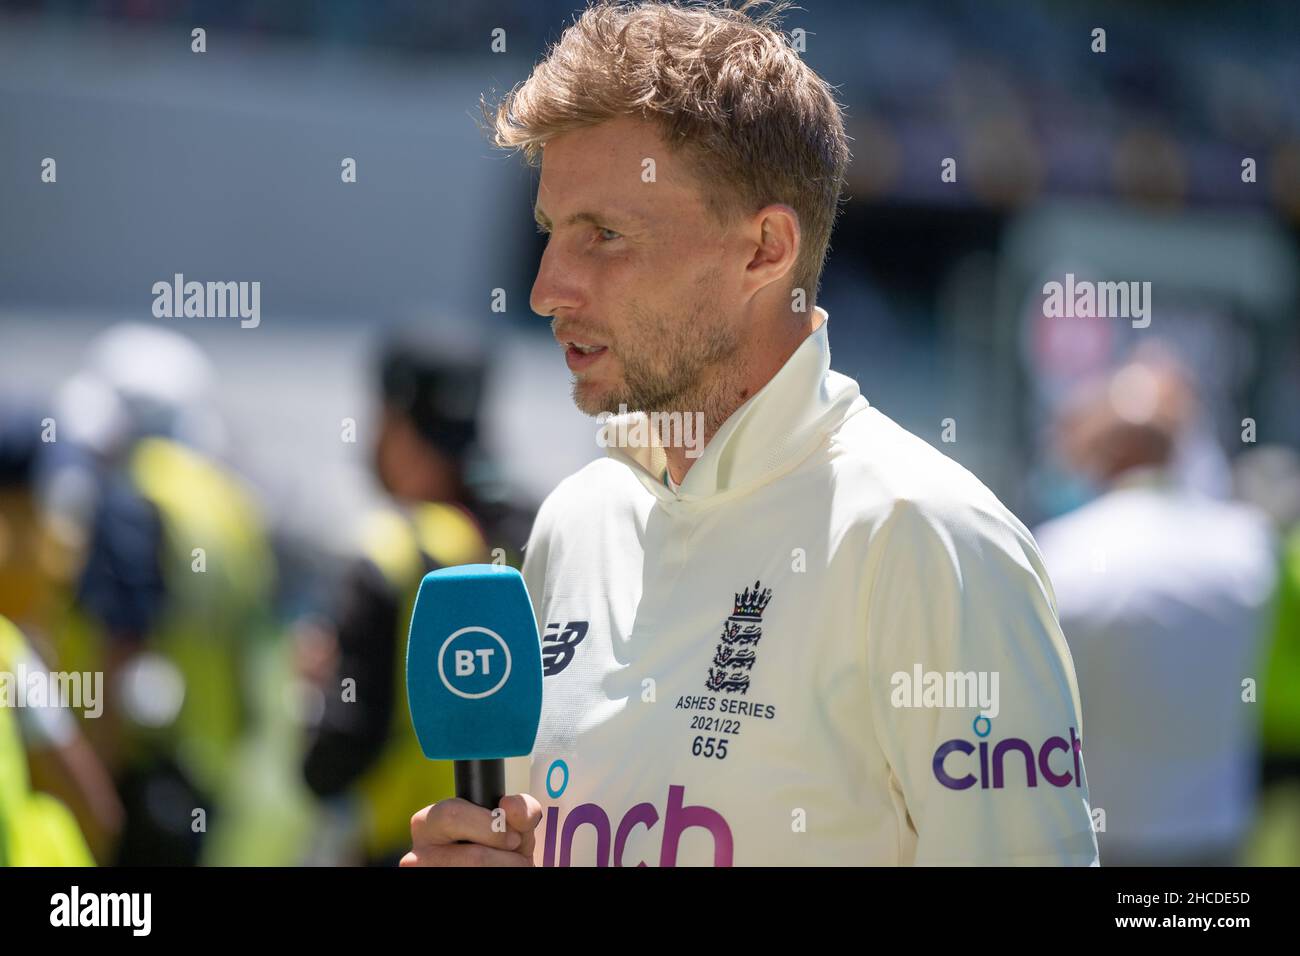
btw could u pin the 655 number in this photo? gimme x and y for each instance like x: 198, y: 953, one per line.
x: 710, y: 747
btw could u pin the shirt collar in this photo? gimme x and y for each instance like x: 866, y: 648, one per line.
x: 769, y: 434
x: 1145, y: 476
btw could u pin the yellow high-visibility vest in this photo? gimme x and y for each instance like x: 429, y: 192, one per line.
x: 218, y: 570
x: 1280, y: 690
x: 35, y: 828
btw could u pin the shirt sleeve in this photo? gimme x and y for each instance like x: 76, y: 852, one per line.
x: 959, y: 591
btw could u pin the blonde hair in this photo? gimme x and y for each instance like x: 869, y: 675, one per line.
x: 725, y: 88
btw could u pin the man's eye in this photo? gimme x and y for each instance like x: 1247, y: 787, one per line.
x: 608, y: 234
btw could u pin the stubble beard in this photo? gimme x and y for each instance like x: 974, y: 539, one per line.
x: 677, y: 366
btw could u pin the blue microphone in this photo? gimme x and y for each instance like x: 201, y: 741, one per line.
x: 474, y: 674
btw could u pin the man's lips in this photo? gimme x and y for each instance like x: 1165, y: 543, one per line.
x: 581, y: 351
x: 580, y: 360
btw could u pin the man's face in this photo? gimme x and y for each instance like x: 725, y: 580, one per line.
x: 637, y: 269
x: 408, y: 467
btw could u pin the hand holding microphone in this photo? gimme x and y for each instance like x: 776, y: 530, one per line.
x: 456, y: 832
x: 474, y: 683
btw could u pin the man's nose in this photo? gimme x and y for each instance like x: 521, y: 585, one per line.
x: 555, y: 286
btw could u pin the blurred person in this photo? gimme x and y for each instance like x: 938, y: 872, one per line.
x: 1163, y: 593
x: 41, y: 548
x: 176, y: 585
x: 1279, y: 696
x: 363, y: 750
x: 32, y: 581
x: 33, y: 565
x: 1269, y: 477
x: 136, y: 380
x: 761, y: 550
x: 36, y: 829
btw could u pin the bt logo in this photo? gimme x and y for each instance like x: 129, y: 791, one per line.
x: 1036, y: 763
x: 474, y: 662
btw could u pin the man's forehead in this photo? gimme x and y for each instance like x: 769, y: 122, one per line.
x: 616, y: 172
x: 589, y: 177
x: 577, y: 199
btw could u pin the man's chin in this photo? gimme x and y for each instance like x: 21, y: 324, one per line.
x: 591, y: 399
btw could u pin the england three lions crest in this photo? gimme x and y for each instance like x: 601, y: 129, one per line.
x: 737, y: 650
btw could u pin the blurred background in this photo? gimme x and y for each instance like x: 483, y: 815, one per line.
x: 398, y: 407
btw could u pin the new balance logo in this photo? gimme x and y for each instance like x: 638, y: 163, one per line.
x: 559, y: 644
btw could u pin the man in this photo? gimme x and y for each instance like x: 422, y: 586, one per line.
x: 1164, y: 597
x: 33, y: 575
x: 174, y: 599
x: 364, y: 747
x: 728, y: 638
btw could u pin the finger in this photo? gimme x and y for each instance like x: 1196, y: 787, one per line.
x: 523, y: 813
x: 463, y: 854
x: 452, y: 820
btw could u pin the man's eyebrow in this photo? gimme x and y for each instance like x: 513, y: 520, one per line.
x: 594, y: 218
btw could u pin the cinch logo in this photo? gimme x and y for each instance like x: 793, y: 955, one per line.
x: 559, y: 644
x: 949, y: 771
x: 677, y: 820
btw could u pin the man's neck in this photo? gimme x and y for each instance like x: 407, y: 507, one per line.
x: 765, y: 359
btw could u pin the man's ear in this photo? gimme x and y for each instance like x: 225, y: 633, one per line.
x: 776, y: 238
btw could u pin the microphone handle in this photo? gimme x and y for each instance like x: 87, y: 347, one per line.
x: 481, y: 782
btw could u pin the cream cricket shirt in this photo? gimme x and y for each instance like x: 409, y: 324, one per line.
x: 722, y: 662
